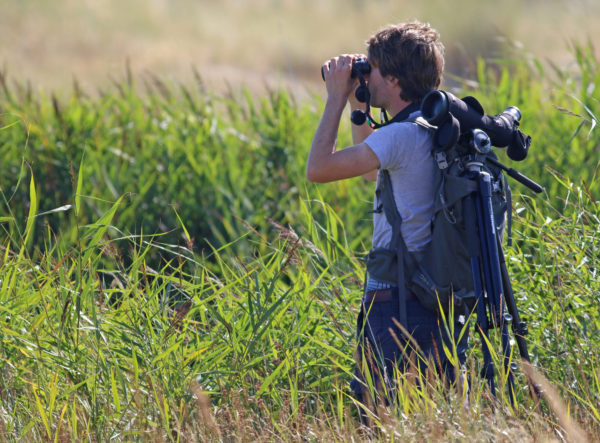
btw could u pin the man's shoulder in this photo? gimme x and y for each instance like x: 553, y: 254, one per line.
x: 415, y: 125
x: 412, y: 122
x: 413, y: 132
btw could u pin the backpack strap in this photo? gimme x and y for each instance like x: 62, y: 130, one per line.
x: 385, y: 195
x: 418, y: 120
x: 387, y: 203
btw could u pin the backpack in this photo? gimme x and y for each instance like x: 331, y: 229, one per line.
x: 441, y: 276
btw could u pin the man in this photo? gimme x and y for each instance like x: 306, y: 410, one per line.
x: 406, y: 62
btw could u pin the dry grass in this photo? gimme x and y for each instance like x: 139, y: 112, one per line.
x: 280, y: 42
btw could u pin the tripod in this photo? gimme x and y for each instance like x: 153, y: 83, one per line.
x: 496, y: 307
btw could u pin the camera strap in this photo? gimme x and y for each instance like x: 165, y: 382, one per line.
x: 402, y: 116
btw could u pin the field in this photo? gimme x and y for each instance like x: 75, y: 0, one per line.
x: 167, y: 273
x: 273, y: 42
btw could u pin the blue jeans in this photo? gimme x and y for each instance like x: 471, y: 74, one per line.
x: 382, y: 352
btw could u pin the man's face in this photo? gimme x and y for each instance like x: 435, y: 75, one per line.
x: 377, y: 87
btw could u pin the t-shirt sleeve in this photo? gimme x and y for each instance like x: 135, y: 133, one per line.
x: 391, y: 145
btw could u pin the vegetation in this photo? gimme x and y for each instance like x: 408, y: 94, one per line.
x: 166, y: 272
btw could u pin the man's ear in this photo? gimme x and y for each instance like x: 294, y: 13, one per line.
x: 391, y: 80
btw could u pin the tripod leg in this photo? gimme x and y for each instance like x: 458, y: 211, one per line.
x: 493, y: 274
x: 474, y: 246
x: 519, y: 327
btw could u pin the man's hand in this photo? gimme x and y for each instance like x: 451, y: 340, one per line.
x: 360, y: 132
x: 338, y: 81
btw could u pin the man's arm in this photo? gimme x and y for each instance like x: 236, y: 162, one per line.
x: 371, y: 176
x: 325, y: 164
x: 360, y: 133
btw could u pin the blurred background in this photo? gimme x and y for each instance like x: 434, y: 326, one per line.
x: 265, y: 43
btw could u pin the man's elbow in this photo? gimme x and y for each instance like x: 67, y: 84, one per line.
x: 311, y: 176
x: 314, y: 175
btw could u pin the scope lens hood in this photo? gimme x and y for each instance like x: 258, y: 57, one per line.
x: 447, y: 134
x: 435, y: 107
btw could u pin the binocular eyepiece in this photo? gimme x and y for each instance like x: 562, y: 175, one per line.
x: 453, y: 117
x: 360, y: 67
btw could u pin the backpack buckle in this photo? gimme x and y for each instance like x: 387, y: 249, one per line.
x: 440, y: 158
x: 378, y: 210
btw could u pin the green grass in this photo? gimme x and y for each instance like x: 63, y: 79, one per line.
x: 166, y: 273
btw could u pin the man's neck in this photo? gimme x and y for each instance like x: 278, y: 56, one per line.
x: 396, y: 106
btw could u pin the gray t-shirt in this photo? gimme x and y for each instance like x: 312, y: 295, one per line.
x: 404, y: 149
